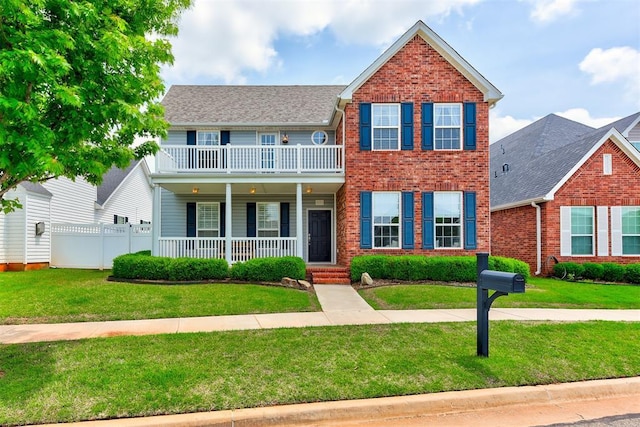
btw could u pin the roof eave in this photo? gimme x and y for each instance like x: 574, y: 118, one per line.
x: 252, y: 124
x: 520, y: 203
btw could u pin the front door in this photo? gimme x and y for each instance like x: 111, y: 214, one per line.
x: 319, y: 236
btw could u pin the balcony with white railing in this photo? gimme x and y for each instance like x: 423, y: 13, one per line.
x: 250, y: 159
x: 242, y: 248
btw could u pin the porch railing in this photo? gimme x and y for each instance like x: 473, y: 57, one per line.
x: 242, y: 248
x: 243, y: 159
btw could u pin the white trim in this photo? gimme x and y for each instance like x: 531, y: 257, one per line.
x: 607, y: 164
x: 633, y: 124
x: 491, y: 94
x: 602, y: 213
x: 326, y: 137
x: 333, y: 234
x: 147, y: 174
x: 565, y: 230
x: 616, y: 230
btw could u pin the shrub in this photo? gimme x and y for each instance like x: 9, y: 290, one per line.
x: 452, y: 268
x: 269, y: 269
x: 632, y: 273
x: 592, y: 271
x: 568, y: 270
x: 146, y: 252
x: 141, y: 266
x: 195, y: 269
x: 612, y: 272
x: 372, y: 264
x: 509, y: 265
x: 134, y: 266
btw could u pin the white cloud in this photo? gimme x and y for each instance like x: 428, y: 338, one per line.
x: 224, y: 39
x: 583, y: 116
x: 617, y: 64
x: 545, y: 11
x: 501, y: 126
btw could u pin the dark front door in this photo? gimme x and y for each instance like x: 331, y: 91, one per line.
x: 320, y: 236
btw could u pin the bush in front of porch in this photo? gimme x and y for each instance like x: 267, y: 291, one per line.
x: 271, y: 269
x: 142, y: 267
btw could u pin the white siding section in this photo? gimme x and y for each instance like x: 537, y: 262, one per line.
x: 38, y: 247
x: 175, y: 137
x: 603, y: 230
x: 634, y: 134
x: 565, y: 230
x: 3, y: 256
x: 72, y: 202
x: 616, y: 230
x: 14, y: 230
x: 132, y: 199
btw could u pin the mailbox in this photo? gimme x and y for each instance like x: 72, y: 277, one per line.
x: 510, y: 283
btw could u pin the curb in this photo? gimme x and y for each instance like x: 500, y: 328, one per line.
x: 389, y: 407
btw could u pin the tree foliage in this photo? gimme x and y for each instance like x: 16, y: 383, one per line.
x: 79, y: 82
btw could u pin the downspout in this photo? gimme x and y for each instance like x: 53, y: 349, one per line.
x: 538, y: 238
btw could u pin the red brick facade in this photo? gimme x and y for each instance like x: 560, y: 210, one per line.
x: 513, y: 231
x: 416, y: 74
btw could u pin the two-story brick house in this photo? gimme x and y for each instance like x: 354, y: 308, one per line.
x: 396, y: 162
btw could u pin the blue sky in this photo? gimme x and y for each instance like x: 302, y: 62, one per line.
x: 576, y: 58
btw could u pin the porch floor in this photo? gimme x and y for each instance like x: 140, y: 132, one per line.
x: 328, y: 274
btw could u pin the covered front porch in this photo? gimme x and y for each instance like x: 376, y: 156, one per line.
x: 246, y: 218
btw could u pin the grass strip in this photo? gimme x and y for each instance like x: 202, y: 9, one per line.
x: 164, y: 374
x: 65, y: 295
x: 539, y: 293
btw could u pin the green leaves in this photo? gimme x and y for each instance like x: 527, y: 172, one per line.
x: 79, y: 84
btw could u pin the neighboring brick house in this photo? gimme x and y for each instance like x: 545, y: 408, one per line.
x: 395, y: 163
x: 563, y: 191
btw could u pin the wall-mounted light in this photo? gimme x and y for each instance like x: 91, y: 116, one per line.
x: 285, y: 138
x: 252, y: 190
x: 195, y: 190
x: 309, y: 190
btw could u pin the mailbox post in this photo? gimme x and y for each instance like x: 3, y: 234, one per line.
x: 500, y: 282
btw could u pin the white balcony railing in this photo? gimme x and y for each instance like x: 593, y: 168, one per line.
x: 248, y: 159
x: 242, y: 248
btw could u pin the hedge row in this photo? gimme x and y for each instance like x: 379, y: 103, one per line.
x: 438, y: 268
x: 606, y: 271
x: 142, y: 266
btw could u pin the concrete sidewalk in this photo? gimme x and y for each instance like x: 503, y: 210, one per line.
x: 341, y: 305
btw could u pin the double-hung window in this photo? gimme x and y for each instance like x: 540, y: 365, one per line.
x: 268, y: 219
x: 448, y: 219
x: 207, y: 137
x: 208, y: 143
x: 386, y: 126
x: 631, y: 230
x: 582, y: 230
x: 386, y: 220
x: 208, y: 219
x: 448, y: 126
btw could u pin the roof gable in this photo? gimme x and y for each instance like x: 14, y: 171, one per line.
x: 114, y: 178
x: 491, y: 93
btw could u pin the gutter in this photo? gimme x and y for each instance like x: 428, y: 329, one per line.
x: 538, y: 238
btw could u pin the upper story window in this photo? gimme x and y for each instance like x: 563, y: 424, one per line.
x: 386, y: 126
x: 448, y: 219
x: 448, y: 126
x: 208, y: 219
x: 631, y: 230
x: 319, y: 137
x: 208, y: 138
x: 386, y: 220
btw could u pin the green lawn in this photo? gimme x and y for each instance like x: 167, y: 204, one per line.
x: 65, y: 295
x: 137, y: 376
x: 539, y: 292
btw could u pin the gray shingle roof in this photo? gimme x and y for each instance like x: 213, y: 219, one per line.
x: 112, y: 179
x: 623, y: 124
x: 35, y: 188
x: 250, y: 105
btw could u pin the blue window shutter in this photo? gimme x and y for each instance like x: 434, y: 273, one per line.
x: 365, y: 219
x: 427, y: 220
x: 365, y: 126
x: 284, y: 219
x: 223, y: 219
x: 469, y: 126
x: 191, y: 219
x: 191, y: 137
x: 225, y: 137
x: 427, y: 126
x: 470, y: 220
x: 407, y: 220
x: 406, y: 110
x: 251, y: 220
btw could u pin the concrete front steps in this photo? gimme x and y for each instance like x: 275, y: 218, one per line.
x: 329, y: 275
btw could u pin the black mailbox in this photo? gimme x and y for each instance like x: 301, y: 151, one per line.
x: 511, y: 283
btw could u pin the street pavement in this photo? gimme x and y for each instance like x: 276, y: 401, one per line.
x: 341, y: 305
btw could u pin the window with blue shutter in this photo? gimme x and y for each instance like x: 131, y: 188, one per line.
x: 427, y: 220
x: 225, y: 137
x: 223, y: 219
x: 407, y: 220
x: 284, y: 219
x: 251, y: 220
x: 427, y: 126
x: 407, y: 125
x: 365, y: 220
x: 470, y: 233
x: 469, y: 126
x: 365, y: 126
x: 191, y: 219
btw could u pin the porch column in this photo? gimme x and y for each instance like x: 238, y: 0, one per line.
x: 299, y: 236
x: 227, y: 225
x: 155, y: 221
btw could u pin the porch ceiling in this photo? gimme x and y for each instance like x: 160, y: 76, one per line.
x: 261, y: 187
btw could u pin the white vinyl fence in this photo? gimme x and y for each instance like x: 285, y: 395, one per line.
x: 96, y: 245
